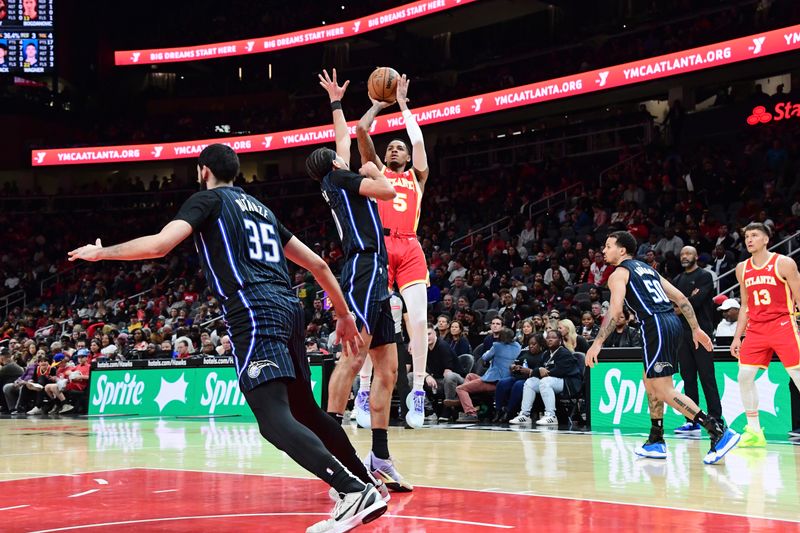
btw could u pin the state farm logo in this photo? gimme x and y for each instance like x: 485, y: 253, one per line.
x: 760, y: 115
x: 758, y: 42
x: 135, y: 57
x: 602, y: 77
x: 782, y: 111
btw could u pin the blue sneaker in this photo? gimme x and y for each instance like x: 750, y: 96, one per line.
x: 652, y: 450
x: 689, y: 428
x: 361, y: 409
x: 721, y: 447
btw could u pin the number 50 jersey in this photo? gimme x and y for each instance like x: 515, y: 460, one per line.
x: 645, y: 295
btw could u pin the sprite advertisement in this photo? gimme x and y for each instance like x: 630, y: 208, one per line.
x: 199, y: 391
x: 619, y: 399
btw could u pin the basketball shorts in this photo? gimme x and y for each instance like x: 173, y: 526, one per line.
x: 762, y: 340
x: 661, y: 338
x: 267, y: 337
x: 407, y: 264
x: 365, y: 287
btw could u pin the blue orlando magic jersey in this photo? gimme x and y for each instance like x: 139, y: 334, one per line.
x: 240, y: 243
x: 645, y: 295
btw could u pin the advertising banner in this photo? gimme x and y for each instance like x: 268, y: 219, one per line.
x: 619, y: 399
x: 733, y: 51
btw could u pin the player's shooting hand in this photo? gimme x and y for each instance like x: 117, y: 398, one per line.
x: 90, y: 252
x: 335, y: 92
x: 402, y: 89
x: 735, y: 346
x: 700, y: 337
x: 347, y: 334
x: 381, y: 104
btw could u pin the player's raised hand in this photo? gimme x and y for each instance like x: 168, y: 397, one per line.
x: 402, y: 89
x: 369, y: 169
x: 331, y: 86
x: 700, y: 337
x: 90, y: 252
x: 381, y: 104
x: 591, y: 355
x: 348, y: 335
x: 735, y: 347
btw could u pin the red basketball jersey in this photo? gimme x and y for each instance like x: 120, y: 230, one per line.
x: 402, y: 213
x: 768, y: 295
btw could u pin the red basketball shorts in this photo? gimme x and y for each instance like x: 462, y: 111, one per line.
x: 407, y: 264
x: 763, y: 339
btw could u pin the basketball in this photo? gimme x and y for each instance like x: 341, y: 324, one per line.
x: 382, y: 84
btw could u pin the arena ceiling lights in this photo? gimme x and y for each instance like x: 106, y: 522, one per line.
x: 320, y: 34
x: 693, y: 60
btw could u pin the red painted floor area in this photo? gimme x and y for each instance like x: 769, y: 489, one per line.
x: 181, y: 501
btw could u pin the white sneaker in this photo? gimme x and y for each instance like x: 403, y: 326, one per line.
x: 352, y: 510
x: 520, y: 419
x: 415, y: 401
x: 380, y: 486
x: 361, y: 409
x: 66, y: 408
x: 35, y: 411
x: 547, y: 420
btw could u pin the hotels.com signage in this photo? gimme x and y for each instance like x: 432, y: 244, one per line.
x: 781, y: 111
x: 696, y: 59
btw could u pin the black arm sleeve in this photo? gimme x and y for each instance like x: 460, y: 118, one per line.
x: 349, y: 181
x: 198, y: 208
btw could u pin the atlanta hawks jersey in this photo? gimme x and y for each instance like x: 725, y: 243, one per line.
x: 401, y: 215
x: 768, y: 294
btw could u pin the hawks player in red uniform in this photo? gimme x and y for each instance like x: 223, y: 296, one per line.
x: 770, y: 288
x: 408, y: 269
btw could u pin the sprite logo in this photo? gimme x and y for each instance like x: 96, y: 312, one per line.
x: 221, y: 392
x: 126, y: 392
x: 625, y: 395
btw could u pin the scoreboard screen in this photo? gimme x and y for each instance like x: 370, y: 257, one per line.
x: 26, y: 36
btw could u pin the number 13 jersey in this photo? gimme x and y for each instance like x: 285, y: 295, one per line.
x: 768, y: 295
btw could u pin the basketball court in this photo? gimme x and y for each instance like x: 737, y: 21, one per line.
x: 171, y: 474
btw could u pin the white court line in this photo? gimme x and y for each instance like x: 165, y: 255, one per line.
x: 517, y: 493
x: 163, y: 491
x: 35, y: 475
x: 15, y: 507
x: 92, y: 491
x: 101, y: 481
x: 248, y: 515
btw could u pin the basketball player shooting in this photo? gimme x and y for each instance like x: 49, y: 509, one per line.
x: 770, y: 287
x: 407, y: 266
x: 649, y: 295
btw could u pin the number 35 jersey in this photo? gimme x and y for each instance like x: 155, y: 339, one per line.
x: 645, y: 295
x: 768, y: 294
x: 240, y: 244
x: 401, y: 215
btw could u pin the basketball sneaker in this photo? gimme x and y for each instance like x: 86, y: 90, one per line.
x: 752, y: 438
x: 361, y: 409
x: 380, y: 486
x: 689, y: 428
x: 652, y: 449
x: 720, y: 447
x: 415, y: 401
x: 384, y: 470
x: 351, y: 510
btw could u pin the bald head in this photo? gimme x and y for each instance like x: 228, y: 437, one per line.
x: 689, y: 258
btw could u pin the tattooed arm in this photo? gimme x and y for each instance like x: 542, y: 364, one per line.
x: 616, y: 283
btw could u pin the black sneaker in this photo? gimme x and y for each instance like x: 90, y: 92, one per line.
x: 352, y: 510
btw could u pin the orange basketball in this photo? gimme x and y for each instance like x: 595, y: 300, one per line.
x: 382, y: 84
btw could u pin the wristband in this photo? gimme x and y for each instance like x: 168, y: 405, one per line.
x: 336, y: 104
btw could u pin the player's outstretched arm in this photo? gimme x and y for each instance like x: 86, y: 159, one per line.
x: 375, y: 185
x: 686, y: 309
x: 741, y: 323
x: 365, y: 145
x: 148, y: 247
x: 346, y: 331
x: 419, y: 158
x: 336, y: 93
x: 616, y: 283
x: 787, y: 269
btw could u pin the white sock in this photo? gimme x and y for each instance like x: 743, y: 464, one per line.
x: 747, y: 386
x: 365, y: 375
x: 416, y: 299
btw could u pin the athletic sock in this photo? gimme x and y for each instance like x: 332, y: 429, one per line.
x: 344, y: 482
x: 656, y: 430
x: 366, y: 381
x: 338, y: 417
x: 753, y: 420
x: 380, y: 443
x: 419, y: 380
x: 712, y: 425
